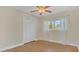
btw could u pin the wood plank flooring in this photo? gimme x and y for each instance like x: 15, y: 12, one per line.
x: 43, y: 46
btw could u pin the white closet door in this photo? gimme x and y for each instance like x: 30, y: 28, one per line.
x: 29, y: 29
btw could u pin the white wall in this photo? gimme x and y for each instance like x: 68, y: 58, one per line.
x: 71, y: 36
x: 10, y: 27
x: 16, y: 27
x: 55, y: 36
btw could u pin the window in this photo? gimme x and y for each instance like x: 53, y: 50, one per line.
x: 54, y: 25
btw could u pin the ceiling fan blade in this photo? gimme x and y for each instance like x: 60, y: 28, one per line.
x: 38, y: 7
x: 34, y: 11
x: 42, y: 7
x: 48, y: 11
x: 46, y: 7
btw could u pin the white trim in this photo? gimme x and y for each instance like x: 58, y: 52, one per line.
x: 64, y: 43
x: 56, y: 41
x: 15, y: 45
x: 11, y: 47
x: 30, y: 40
x: 36, y: 40
x: 75, y: 45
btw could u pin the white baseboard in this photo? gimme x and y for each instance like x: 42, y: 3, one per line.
x: 35, y: 40
x: 15, y: 45
x: 63, y: 42
x: 30, y: 40
x: 11, y: 47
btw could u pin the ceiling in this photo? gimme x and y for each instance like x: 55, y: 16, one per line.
x: 54, y: 9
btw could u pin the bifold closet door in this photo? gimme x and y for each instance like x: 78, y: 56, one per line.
x: 29, y: 29
x: 72, y: 33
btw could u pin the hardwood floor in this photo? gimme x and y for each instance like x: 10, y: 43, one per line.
x: 43, y: 46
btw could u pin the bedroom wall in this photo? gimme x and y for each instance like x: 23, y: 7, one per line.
x: 16, y: 27
x: 71, y: 36
x: 10, y: 27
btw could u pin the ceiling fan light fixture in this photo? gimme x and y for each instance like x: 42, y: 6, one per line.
x: 42, y: 9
